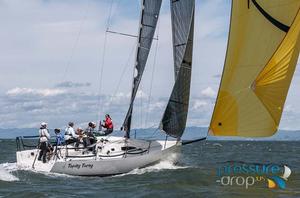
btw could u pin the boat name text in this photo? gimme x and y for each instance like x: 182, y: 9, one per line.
x: 79, y: 166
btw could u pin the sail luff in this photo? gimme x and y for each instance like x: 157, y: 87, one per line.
x: 174, y: 118
x: 223, y: 71
x: 261, y: 57
x: 148, y: 21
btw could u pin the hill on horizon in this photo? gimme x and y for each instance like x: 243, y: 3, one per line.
x: 153, y: 133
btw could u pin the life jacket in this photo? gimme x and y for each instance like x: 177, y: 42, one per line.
x: 108, y: 123
x: 60, y: 139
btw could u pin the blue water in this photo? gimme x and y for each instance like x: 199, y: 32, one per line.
x: 194, y: 175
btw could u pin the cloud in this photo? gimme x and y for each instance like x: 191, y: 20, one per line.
x: 27, y: 107
x: 290, y: 109
x: 30, y: 91
x: 208, y: 92
x: 297, y: 72
x: 199, y: 104
x: 218, y: 76
x: 214, y: 18
x: 200, y: 111
x: 117, y: 99
x: 141, y: 94
x: 70, y: 84
x: 158, y: 105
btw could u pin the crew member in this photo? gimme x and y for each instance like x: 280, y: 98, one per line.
x: 44, y: 141
x: 108, y: 125
x: 81, y: 135
x: 59, y: 137
x: 70, y: 135
x: 89, y: 132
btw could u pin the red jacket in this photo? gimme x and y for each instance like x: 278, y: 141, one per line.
x: 108, y: 123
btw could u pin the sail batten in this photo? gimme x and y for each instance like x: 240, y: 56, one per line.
x: 175, y: 115
x: 149, y: 16
x: 258, y: 69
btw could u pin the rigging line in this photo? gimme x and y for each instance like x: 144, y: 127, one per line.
x: 100, y: 104
x: 76, y: 42
x: 152, y: 75
x: 122, y: 75
x: 141, y: 108
x: 129, y: 35
x: 151, y: 136
x: 193, y: 141
x: 157, y: 129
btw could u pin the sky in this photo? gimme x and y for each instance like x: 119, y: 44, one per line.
x: 58, y: 64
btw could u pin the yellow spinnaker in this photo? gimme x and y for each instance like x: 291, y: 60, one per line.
x: 261, y: 57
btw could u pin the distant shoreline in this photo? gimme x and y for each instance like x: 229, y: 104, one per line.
x: 190, y: 133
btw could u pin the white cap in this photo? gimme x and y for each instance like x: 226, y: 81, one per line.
x: 43, y: 124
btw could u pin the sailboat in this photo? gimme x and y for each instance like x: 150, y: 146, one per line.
x: 262, y: 53
x: 115, y: 155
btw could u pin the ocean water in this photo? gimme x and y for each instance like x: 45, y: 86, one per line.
x: 194, y: 176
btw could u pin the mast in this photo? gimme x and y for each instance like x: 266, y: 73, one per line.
x: 263, y: 48
x: 148, y: 21
x: 174, y: 119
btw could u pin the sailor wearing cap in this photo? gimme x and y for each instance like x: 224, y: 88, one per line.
x: 44, y: 141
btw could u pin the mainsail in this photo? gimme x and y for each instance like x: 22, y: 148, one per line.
x: 149, y: 17
x: 175, y: 115
x: 261, y: 57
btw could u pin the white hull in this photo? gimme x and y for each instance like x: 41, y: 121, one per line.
x: 109, y: 160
